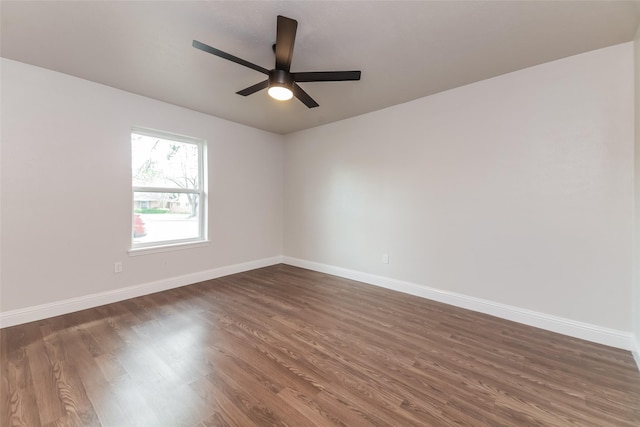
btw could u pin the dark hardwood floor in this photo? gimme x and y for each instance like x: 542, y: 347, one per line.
x: 287, y: 346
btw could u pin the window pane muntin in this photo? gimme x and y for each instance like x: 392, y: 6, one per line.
x: 165, y: 190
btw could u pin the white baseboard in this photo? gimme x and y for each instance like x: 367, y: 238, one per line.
x: 31, y: 314
x: 635, y: 349
x: 586, y: 331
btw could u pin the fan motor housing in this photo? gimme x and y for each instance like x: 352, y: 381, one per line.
x: 280, y: 78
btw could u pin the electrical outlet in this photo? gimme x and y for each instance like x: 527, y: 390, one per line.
x: 385, y: 258
x: 117, y: 267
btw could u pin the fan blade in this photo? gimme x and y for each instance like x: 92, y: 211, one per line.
x: 285, y: 39
x: 253, y: 89
x: 304, y: 97
x: 225, y: 55
x: 326, y: 76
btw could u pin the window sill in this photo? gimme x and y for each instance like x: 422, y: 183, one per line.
x: 168, y: 248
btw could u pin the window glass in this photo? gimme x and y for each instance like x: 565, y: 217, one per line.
x: 167, y: 189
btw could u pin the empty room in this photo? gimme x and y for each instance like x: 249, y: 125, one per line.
x: 319, y: 213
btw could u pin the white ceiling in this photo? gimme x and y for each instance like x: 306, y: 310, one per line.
x: 406, y: 50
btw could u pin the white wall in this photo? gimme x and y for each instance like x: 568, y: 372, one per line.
x: 66, y: 184
x: 517, y: 190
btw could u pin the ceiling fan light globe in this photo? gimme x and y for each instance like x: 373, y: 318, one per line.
x: 280, y: 93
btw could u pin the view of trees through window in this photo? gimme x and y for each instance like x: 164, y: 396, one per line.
x: 167, y: 191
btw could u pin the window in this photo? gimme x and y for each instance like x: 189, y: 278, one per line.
x: 168, y: 189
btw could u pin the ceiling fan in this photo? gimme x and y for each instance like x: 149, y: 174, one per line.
x: 282, y: 84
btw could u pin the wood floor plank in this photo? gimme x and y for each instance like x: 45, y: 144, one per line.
x: 19, y: 405
x: 291, y: 347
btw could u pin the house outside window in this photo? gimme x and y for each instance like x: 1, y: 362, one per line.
x: 168, y: 189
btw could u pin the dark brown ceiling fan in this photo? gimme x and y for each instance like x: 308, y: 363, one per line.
x: 282, y: 84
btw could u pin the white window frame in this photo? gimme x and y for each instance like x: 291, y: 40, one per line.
x: 161, y: 246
